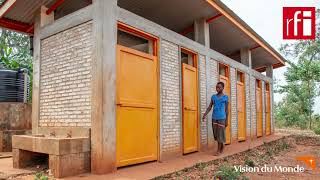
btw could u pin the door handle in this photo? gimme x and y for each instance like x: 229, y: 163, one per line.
x: 189, y: 109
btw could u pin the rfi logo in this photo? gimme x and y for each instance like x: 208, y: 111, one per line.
x: 299, y: 23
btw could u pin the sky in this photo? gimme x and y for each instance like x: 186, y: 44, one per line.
x: 265, y: 17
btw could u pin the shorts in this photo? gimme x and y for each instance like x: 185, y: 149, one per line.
x: 219, y: 130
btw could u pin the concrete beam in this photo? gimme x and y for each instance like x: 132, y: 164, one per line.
x: 71, y: 20
x: 269, y: 71
x: 148, y: 26
x: 103, y: 133
x: 46, y: 19
x: 201, y: 32
x: 245, y: 54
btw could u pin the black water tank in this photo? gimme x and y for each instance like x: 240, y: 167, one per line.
x: 12, y: 85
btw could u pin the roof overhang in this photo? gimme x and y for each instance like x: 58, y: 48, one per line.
x: 228, y: 33
x: 6, y: 5
x: 18, y: 15
x: 244, y: 27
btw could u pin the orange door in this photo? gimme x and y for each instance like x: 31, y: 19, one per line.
x: 268, y: 117
x: 241, y: 111
x: 225, y: 80
x: 190, y: 108
x: 259, y: 110
x: 137, y: 124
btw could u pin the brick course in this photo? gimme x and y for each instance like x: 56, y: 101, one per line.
x: 203, y: 97
x: 233, y: 105
x: 170, y: 96
x: 65, y: 78
x: 212, y: 79
x: 248, y: 103
x: 253, y: 106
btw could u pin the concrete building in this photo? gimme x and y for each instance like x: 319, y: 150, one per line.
x: 121, y: 82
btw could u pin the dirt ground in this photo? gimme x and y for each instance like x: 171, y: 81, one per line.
x: 302, y: 147
x: 282, y: 152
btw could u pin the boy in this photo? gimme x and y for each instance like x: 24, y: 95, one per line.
x: 219, y: 102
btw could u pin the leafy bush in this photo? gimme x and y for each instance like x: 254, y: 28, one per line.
x: 249, y: 162
x: 317, y: 130
x: 227, y: 172
x: 200, y: 165
x: 41, y: 176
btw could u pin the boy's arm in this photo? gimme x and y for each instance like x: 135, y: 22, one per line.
x: 208, y: 110
x: 227, y: 112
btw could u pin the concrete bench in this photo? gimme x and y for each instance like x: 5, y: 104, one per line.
x: 66, y: 156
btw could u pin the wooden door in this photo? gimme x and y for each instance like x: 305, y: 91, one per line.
x: 268, y: 116
x: 137, y: 122
x: 190, y: 108
x: 259, y: 109
x: 226, y: 82
x: 241, y: 106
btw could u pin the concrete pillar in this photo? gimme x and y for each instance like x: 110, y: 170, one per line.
x: 269, y: 71
x: 201, y: 32
x: 245, y: 54
x: 46, y: 19
x: 103, y: 129
x: 41, y: 19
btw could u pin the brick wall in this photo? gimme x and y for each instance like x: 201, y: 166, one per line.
x: 65, y: 78
x: 212, y: 79
x: 203, y: 97
x: 233, y: 105
x: 248, y: 103
x: 253, y: 106
x: 170, y: 97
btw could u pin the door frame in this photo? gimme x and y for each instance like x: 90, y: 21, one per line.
x: 267, y: 87
x: 227, y: 75
x: 195, y: 58
x: 259, y: 82
x: 137, y: 32
x: 244, y: 99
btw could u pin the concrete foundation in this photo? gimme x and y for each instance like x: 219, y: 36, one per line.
x: 15, y: 119
x: 66, y: 156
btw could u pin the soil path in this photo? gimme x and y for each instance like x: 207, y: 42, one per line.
x: 278, y: 153
x: 303, y: 147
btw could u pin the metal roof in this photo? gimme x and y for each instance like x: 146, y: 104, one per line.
x: 23, y: 11
x: 229, y: 33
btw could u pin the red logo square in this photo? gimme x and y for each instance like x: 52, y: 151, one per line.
x: 299, y: 22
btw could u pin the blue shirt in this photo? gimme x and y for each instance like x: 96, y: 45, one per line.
x: 219, y: 105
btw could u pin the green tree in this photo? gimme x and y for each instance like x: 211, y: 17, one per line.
x: 15, y: 52
x: 303, y: 78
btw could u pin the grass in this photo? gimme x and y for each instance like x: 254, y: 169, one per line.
x: 222, y: 169
x: 317, y: 131
x: 249, y: 162
x: 200, y: 166
x: 40, y: 176
x: 227, y: 171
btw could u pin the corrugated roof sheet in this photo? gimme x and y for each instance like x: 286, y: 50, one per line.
x: 2, y: 2
x: 26, y: 9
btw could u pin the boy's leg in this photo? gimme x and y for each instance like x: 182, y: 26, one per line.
x: 218, y: 150
x: 221, y: 147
